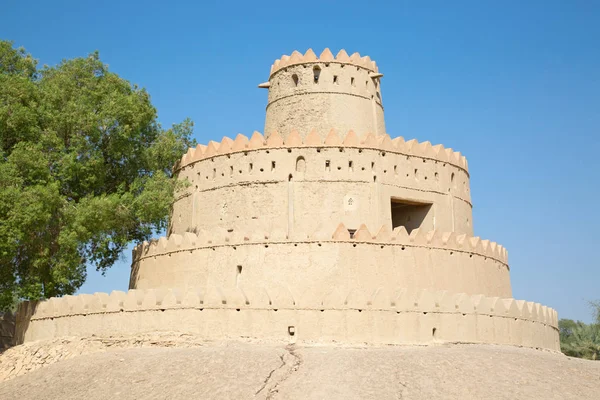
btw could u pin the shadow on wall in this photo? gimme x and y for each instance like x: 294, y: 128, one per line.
x: 18, y: 324
x: 409, y: 214
x: 7, y: 330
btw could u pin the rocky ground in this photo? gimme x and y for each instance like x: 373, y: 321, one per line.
x: 181, y: 367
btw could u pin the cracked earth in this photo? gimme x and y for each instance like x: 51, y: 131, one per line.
x: 184, y: 369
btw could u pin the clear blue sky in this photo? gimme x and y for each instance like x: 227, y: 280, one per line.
x: 513, y: 85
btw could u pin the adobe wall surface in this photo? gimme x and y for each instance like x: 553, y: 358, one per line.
x: 344, y: 95
x: 380, y: 317
x: 310, y: 184
x: 7, y: 330
x: 313, y: 265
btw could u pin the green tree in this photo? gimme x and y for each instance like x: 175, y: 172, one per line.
x: 578, y: 339
x: 85, y: 168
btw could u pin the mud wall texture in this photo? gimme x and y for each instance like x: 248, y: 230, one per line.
x: 311, y: 184
x: 7, y: 330
x: 356, y: 316
x: 312, y: 265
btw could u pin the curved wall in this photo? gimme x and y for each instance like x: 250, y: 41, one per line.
x: 424, y: 260
x: 354, y: 317
x: 307, y: 185
x: 344, y: 96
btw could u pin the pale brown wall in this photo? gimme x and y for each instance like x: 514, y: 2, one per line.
x: 342, y: 104
x: 354, y: 317
x: 242, y: 189
x: 425, y: 260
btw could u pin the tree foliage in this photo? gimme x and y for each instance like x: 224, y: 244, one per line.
x: 85, y: 168
x: 578, y: 339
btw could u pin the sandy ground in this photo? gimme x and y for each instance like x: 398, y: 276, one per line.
x: 245, y: 371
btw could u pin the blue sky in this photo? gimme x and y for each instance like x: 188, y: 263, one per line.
x: 513, y: 85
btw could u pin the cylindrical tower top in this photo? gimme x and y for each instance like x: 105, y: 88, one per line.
x: 308, y: 93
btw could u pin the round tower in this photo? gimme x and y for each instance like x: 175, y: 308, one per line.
x: 326, y: 231
x: 308, y: 93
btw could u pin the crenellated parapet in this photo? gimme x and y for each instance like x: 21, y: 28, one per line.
x: 383, y: 143
x: 299, y: 183
x: 342, y: 57
x: 380, y: 316
x: 450, y: 241
x: 313, y: 263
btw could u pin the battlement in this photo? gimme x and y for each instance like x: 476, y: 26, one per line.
x: 400, y: 316
x: 399, y: 236
x: 384, y: 143
x: 326, y: 57
x: 431, y: 260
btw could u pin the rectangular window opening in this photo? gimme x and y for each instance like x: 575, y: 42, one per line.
x: 409, y: 214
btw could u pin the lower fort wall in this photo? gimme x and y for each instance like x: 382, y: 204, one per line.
x: 424, y: 260
x: 7, y: 330
x: 377, y: 317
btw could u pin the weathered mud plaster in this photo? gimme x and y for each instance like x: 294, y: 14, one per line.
x: 325, y: 230
x: 381, y: 316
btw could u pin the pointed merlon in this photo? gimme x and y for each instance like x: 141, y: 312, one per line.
x: 310, y: 56
x: 355, y: 58
x: 274, y: 140
x: 399, y: 144
x: 362, y: 233
x: 240, y: 143
x: 199, y: 153
x: 312, y: 139
x: 296, y: 57
x: 326, y: 55
x: 400, y: 234
x: 341, y: 233
x: 384, y: 234
x: 332, y: 138
x: 409, y: 145
x: 257, y: 141
x: 342, y: 56
x: 366, y: 62
x: 211, y: 150
x: 385, y: 143
x: 351, y: 139
x: 370, y: 141
x: 293, y: 139
x: 225, y: 146
x: 285, y: 60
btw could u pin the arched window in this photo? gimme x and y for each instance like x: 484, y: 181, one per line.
x: 300, y: 164
x: 295, y: 79
x: 316, y: 73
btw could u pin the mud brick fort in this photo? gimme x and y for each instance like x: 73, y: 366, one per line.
x: 324, y: 230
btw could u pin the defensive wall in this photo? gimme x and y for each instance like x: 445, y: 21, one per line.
x: 306, y: 184
x: 312, y: 264
x: 356, y: 317
x: 306, y: 92
x: 7, y: 330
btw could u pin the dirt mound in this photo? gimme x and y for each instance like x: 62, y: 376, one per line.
x: 243, y: 370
